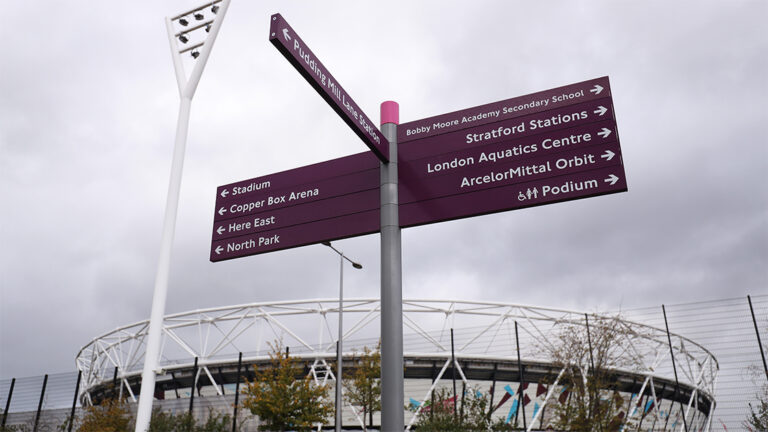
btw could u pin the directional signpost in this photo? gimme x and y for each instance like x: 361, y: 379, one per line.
x: 511, y: 108
x: 546, y: 147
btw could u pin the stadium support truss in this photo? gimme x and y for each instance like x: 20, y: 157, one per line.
x: 485, y: 346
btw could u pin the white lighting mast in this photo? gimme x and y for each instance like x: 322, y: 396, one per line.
x: 192, y: 32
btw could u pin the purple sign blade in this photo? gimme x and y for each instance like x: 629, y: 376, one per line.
x: 555, y: 142
x: 288, y: 42
x: 438, y: 161
x: 297, y: 176
x: 474, y: 178
x: 228, y: 208
x: 296, y: 215
x: 506, y: 109
x: 556, y: 189
x: 505, y: 130
x: 297, y: 235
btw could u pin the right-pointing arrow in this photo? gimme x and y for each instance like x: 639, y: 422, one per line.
x: 612, y: 179
x: 601, y: 110
x: 597, y: 89
x: 604, y: 133
x: 219, y: 250
x: 608, y: 155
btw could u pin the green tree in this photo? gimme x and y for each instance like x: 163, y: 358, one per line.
x: 471, y: 414
x: 757, y: 419
x: 167, y: 422
x: 364, y: 387
x: 162, y: 421
x: 592, y: 405
x: 111, y: 416
x: 283, y: 398
x: 216, y: 423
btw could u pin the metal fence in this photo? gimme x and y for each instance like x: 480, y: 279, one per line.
x: 728, y: 328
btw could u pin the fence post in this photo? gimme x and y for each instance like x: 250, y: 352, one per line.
x: 237, y: 392
x: 74, y: 401
x: 114, y: 386
x: 453, y: 375
x: 596, y: 402
x: 674, y: 368
x: 40, y: 404
x: 194, y: 387
x: 521, y: 397
x: 8, y: 401
x: 493, y: 390
x: 757, y: 332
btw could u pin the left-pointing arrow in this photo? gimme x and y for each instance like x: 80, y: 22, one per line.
x: 612, y: 179
x: 221, y: 228
x: 219, y: 250
x: 286, y: 35
x: 224, y: 193
x: 222, y: 211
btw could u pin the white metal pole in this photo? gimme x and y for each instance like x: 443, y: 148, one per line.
x: 187, y: 89
x: 154, y: 334
x: 340, y: 348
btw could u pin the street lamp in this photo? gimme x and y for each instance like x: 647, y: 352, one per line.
x: 187, y: 86
x: 358, y: 266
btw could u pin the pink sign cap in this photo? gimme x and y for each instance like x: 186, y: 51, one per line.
x: 390, y: 112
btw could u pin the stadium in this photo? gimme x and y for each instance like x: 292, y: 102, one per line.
x: 506, y: 351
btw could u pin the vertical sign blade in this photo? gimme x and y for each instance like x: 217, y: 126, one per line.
x: 285, y: 39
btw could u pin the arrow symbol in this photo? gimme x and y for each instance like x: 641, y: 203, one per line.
x: 597, y: 89
x: 601, y: 110
x: 221, y: 228
x: 608, y: 155
x: 286, y: 35
x: 219, y: 249
x: 604, y: 133
x: 224, y: 193
x: 612, y: 179
x: 222, y: 211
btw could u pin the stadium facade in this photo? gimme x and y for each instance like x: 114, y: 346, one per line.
x: 202, y: 348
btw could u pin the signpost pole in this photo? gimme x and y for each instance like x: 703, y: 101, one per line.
x: 392, y: 415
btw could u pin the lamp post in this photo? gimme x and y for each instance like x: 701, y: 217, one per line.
x: 190, y: 24
x: 358, y: 266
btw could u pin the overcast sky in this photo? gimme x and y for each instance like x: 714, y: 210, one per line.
x: 88, y: 108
